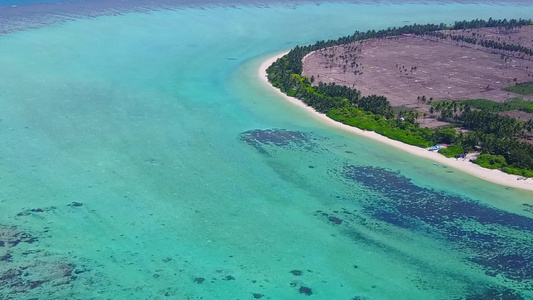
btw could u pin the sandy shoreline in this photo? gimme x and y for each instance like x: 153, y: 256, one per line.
x: 494, y: 176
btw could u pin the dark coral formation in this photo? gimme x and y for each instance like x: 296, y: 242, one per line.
x: 528, y: 208
x: 199, y: 280
x: 228, y: 277
x: 263, y: 139
x: 494, y: 293
x: 337, y: 217
x: 21, y: 279
x: 7, y: 257
x: 296, y: 272
x: 23, y: 270
x: 427, y: 205
x: 488, y: 232
x: 335, y: 220
x: 28, y: 212
x: 11, y: 237
x: 305, y: 290
x: 14, y: 279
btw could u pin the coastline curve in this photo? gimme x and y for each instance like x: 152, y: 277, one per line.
x: 494, y: 176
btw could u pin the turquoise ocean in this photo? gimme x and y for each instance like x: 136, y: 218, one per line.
x: 142, y: 158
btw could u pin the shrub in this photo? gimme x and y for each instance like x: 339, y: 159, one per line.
x: 518, y: 171
x: 490, y: 161
x: 452, y: 151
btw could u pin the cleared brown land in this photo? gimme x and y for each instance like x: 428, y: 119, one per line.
x: 406, y: 67
x: 520, y: 115
x: 522, y: 36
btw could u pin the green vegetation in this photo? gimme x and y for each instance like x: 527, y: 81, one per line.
x: 445, y: 135
x: 497, y: 136
x: 491, y: 161
x: 406, y: 132
x: 502, y: 127
x: 402, y: 110
x: 477, y: 23
x: 492, y: 133
x: 484, y: 104
x: 452, y: 151
x: 496, y: 45
x: 525, y: 88
x: 518, y: 171
x: 502, y: 46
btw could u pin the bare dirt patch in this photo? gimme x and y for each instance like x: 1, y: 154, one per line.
x: 406, y: 67
x: 517, y: 114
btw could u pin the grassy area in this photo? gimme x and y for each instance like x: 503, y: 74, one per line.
x: 452, y: 151
x: 406, y: 133
x: 402, y: 109
x: 525, y: 88
x: 484, y: 104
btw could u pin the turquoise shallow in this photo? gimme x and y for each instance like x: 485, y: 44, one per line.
x: 143, y: 159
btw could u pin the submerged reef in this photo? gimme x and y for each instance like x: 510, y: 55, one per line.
x: 25, y: 268
x: 11, y: 237
x: 264, y: 140
x: 528, y: 208
x: 497, y: 241
x: 32, y: 211
x: 494, y: 293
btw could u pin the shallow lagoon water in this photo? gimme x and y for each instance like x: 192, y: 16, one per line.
x: 143, y: 159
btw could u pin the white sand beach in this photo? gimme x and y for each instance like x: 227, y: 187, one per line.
x: 494, y: 176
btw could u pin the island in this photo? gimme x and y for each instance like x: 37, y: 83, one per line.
x: 463, y: 90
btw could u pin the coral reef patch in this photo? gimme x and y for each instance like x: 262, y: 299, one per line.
x: 497, y: 241
x: 265, y: 140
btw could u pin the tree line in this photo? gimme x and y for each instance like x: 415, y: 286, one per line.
x: 484, y: 43
x: 495, y: 135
